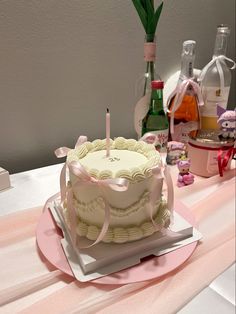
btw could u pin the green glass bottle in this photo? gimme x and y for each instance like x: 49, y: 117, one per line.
x: 156, y: 121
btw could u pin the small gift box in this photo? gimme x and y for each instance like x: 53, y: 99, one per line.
x: 4, y: 179
x: 209, y: 153
x: 175, y: 150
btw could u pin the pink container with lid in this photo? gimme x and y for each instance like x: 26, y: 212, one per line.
x: 210, y: 154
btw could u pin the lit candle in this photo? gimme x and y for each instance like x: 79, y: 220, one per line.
x: 108, y: 131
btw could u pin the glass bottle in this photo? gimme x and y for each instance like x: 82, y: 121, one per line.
x: 215, y: 91
x: 156, y: 121
x: 186, y: 117
x: 143, y: 84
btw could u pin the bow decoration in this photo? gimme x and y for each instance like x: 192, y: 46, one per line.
x: 115, y: 184
x: 161, y: 173
x: 218, y: 60
x: 82, y: 177
x: 178, y: 95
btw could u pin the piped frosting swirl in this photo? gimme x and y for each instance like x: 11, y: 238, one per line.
x: 122, y: 234
x: 135, y: 174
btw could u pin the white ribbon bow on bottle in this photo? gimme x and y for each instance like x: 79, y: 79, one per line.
x: 179, y: 93
x: 217, y: 60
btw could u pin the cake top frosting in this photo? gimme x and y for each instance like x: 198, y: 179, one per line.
x: 128, y: 159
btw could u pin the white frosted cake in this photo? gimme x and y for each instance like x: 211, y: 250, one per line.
x: 129, y: 216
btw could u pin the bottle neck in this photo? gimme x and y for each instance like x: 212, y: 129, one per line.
x: 187, y: 65
x: 220, y: 44
x: 156, y: 103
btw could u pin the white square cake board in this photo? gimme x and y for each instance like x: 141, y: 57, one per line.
x: 104, y: 258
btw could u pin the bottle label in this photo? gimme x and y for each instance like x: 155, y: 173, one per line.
x: 214, y: 96
x: 158, y: 138
x: 140, y: 111
x: 182, y: 130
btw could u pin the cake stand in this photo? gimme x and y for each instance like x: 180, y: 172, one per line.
x: 49, y: 237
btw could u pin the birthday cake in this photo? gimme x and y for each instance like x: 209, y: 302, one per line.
x: 130, y: 217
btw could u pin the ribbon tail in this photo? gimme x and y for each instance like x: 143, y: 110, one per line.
x: 232, y: 61
x: 105, y: 224
x: 227, y: 157
x: 72, y: 216
x: 156, y: 226
x: 221, y: 74
x: 104, y: 227
x: 219, y: 159
x: 170, y: 191
x: 204, y: 71
x: 199, y: 98
x: 198, y: 93
x: 61, y: 152
x: 172, y: 114
x: 171, y: 96
x: 63, y: 183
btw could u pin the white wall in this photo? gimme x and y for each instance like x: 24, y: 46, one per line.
x: 63, y: 62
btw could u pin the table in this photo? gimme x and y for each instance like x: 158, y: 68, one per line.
x: 46, y: 289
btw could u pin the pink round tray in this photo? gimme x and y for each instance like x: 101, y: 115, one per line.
x: 49, y: 242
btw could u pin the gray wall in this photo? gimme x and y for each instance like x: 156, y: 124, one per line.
x: 63, y: 62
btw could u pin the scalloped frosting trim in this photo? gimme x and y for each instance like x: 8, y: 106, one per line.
x: 136, y: 174
x: 120, y: 234
x: 98, y: 202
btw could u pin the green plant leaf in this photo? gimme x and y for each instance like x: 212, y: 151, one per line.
x: 156, y: 16
x: 150, y: 17
x: 143, y: 2
x: 150, y: 8
x: 141, y: 12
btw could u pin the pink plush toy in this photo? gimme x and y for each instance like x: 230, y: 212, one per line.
x: 184, y: 177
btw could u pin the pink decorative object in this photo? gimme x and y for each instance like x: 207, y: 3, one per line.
x: 210, y: 154
x: 150, y: 51
x: 184, y: 177
x: 227, y: 122
x: 108, y: 132
x: 174, y: 152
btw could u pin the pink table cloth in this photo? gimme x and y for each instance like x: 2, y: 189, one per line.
x: 29, y: 284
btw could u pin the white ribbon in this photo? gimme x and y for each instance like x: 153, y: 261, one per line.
x: 179, y: 94
x: 116, y: 184
x: 218, y: 61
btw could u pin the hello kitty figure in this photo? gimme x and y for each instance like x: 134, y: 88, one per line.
x: 227, y: 122
x: 184, y: 177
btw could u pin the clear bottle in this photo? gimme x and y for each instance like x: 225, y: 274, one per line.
x: 215, y: 91
x: 156, y: 121
x: 186, y: 117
